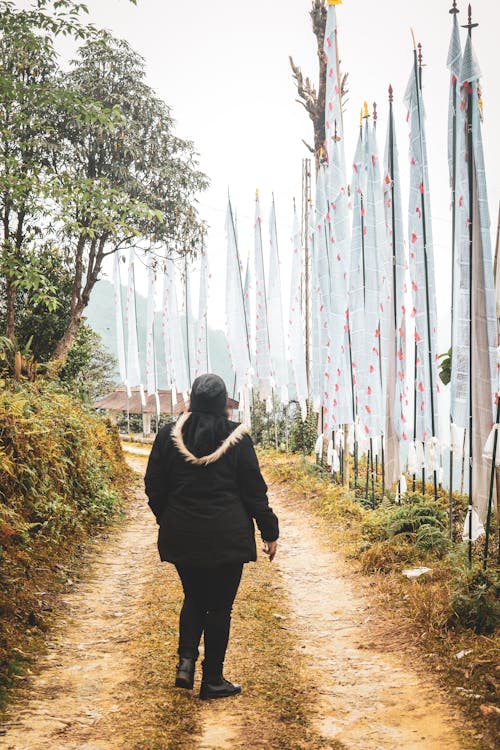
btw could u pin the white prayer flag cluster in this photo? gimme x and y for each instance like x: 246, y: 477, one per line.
x: 474, y: 375
x: 258, y: 352
x: 359, y: 305
x: 357, y: 320
x: 184, y: 342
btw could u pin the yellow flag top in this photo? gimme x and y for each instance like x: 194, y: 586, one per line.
x: 334, y: 2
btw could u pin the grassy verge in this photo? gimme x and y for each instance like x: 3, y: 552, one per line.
x: 451, y: 613
x: 61, y: 477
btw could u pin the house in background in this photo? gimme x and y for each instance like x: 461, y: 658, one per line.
x: 119, y: 403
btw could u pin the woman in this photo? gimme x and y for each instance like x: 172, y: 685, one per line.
x: 205, y: 488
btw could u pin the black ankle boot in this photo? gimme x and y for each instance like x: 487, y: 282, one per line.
x: 184, y: 677
x: 217, y: 688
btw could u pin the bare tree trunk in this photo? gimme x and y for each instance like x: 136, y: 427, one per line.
x: 84, y: 282
x: 10, y: 292
x: 10, y: 314
x: 311, y: 97
x: 10, y: 289
x: 61, y: 353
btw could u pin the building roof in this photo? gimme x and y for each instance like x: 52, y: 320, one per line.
x: 118, y: 401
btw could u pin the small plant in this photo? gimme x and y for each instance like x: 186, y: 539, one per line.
x: 475, y: 600
x: 391, y: 521
x: 387, y: 555
x: 418, y: 512
x: 431, y: 538
x: 445, y: 367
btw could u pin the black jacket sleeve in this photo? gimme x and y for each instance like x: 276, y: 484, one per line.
x: 156, y: 478
x: 253, y: 490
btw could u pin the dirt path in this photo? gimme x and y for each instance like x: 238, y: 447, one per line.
x: 83, y: 678
x: 369, y: 699
x: 301, y: 646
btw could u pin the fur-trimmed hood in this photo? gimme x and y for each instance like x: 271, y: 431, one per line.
x: 231, y: 440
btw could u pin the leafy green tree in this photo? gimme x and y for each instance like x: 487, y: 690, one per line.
x: 37, y: 326
x: 89, y: 164
x: 303, y: 435
x: 28, y: 91
x: 130, y: 184
x: 32, y: 96
x: 89, y: 370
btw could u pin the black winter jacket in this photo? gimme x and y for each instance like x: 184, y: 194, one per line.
x: 205, y: 506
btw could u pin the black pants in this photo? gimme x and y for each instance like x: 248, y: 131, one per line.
x: 209, y: 594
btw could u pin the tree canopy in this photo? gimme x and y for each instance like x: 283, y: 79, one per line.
x: 89, y: 165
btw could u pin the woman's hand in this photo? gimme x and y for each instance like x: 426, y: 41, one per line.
x: 270, y: 549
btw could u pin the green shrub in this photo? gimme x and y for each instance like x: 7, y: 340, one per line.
x: 475, y: 600
x: 389, y: 521
x: 61, y: 468
x: 431, y: 538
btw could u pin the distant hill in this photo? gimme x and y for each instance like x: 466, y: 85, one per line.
x: 100, y: 316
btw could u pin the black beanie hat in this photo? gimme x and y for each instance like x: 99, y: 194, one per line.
x: 208, y: 394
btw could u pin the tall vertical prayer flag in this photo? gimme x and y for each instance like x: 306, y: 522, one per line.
x: 151, y: 380
x: 375, y: 247
x: 421, y: 253
x: 189, y: 329
x: 322, y: 274
x: 457, y: 173
x: 202, y: 354
x: 316, y: 384
x: 133, y: 367
x: 338, y: 377
x: 263, y: 367
x: 357, y: 276
x: 120, y: 343
x: 296, y: 322
x: 236, y: 320
x: 172, y: 333
x: 333, y: 103
x: 395, y: 390
x: 474, y: 360
x: 275, y: 313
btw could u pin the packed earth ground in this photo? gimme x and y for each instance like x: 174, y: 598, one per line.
x: 320, y: 659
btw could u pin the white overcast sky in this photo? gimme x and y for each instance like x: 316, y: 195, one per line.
x: 223, y: 68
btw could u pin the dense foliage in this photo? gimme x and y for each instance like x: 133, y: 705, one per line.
x: 277, y: 426
x: 61, y: 469
x: 89, y: 166
x: 88, y: 372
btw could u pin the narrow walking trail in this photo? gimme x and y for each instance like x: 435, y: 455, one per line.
x: 301, y: 645
x: 84, y: 678
x: 368, y: 698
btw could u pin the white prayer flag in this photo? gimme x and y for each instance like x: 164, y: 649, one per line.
x: 275, y: 312
x: 237, y: 324
x: 151, y: 381
x: 422, y: 268
x: 296, y: 321
x: 172, y: 333
x: 120, y: 343
x: 133, y: 368
x: 263, y: 368
x: 202, y: 354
